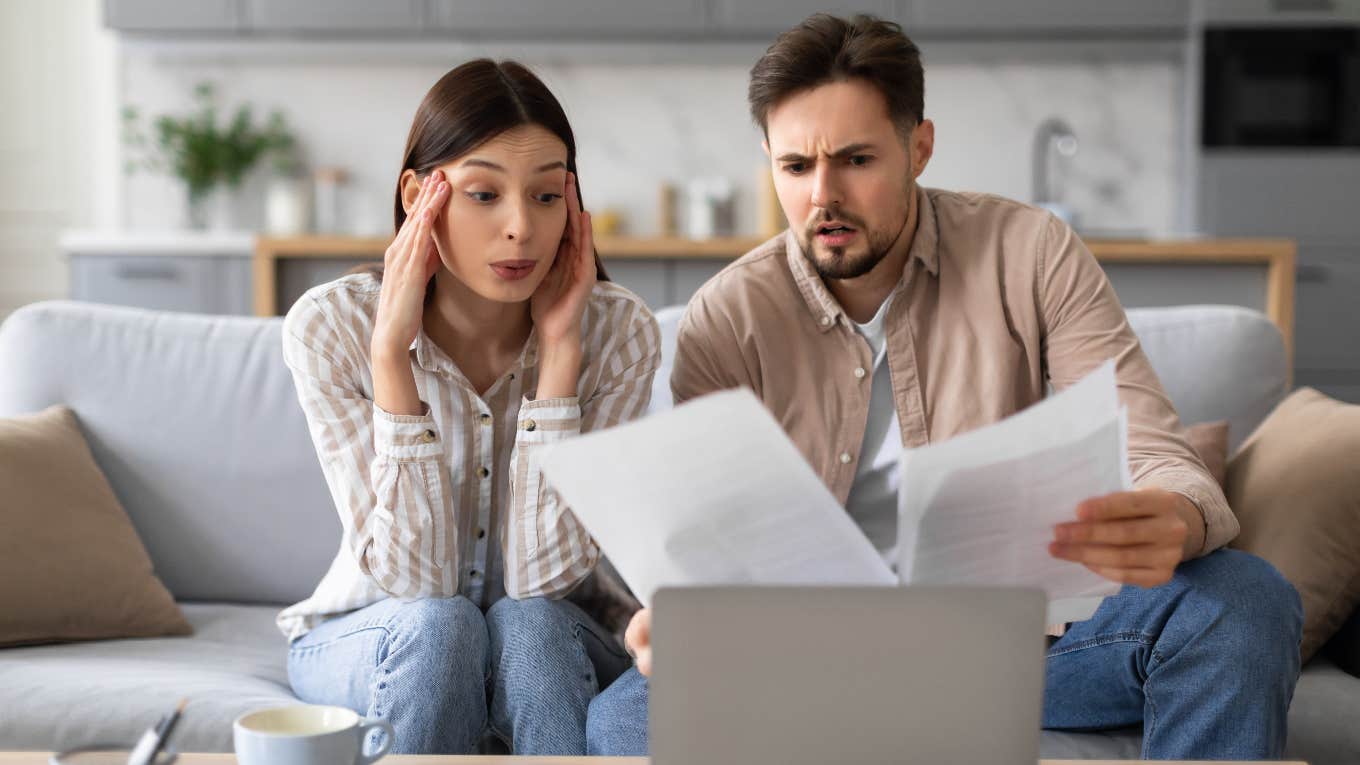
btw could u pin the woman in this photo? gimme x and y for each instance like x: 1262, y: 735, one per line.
x: 431, y: 389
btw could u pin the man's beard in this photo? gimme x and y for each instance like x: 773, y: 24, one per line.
x: 843, y: 264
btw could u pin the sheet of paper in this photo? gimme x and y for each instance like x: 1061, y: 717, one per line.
x: 980, y: 508
x: 711, y: 492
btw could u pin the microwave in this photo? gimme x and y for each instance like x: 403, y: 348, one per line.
x: 1281, y: 87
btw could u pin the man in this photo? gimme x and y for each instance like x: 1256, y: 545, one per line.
x: 889, y: 316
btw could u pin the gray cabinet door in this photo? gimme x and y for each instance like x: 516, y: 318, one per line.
x: 193, y: 284
x: 1306, y: 196
x: 1003, y: 17
x: 1327, y: 310
x: 579, y: 19
x: 173, y: 15
x: 770, y: 17
x: 366, y: 16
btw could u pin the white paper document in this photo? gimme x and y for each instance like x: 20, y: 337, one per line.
x: 713, y: 492
x: 980, y: 508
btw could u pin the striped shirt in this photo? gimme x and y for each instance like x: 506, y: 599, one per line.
x: 452, y: 502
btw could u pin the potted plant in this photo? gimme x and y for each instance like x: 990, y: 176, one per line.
x: 206, y: 156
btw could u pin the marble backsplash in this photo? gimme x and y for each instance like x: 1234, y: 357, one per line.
x: 638, y: 126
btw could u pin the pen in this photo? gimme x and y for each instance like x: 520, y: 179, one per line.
x: 153, y: 741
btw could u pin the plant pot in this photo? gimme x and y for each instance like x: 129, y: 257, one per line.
x: 213, y: 210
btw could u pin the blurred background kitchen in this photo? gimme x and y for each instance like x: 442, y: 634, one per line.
x: 1208, y: 150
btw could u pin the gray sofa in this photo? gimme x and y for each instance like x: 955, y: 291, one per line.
x: 195, y: 422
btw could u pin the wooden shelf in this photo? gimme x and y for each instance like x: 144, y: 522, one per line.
x: 1277, y: 256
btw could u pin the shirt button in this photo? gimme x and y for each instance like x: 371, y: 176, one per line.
x: 474, y: 573
x: 845, y: 458
x: 483, y: 472
x: 826, y: 321
x: 485, y: 418
x: 859, y: 373
x: 530, y: 425
x: 428, y: 437
x: 481, y: 533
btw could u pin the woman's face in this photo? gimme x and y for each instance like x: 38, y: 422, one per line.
x: 501, y: 227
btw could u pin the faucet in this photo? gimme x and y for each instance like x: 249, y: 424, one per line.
x: 1053, y: 134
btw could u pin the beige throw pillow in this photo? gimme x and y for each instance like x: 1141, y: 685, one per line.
x: 71, y: 565
x: 1295, y: 487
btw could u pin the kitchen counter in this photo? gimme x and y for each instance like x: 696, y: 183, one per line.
x: 158, y: 243
x: 1258, y: 273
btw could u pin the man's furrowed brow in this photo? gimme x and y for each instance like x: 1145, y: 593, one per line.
x: 841, y: 153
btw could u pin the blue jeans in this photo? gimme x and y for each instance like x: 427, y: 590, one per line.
x: 1206, y: 663
x: 443, y: 674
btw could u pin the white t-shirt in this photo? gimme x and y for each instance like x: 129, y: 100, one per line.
x: 873, y: 496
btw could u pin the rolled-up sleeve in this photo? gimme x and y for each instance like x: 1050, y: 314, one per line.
x: 384, y: 471
x: 1083, y: 326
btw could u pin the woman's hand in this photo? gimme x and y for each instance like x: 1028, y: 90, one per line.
x: 560, y: 300
x: 638, y: 640
x: 410, y: 261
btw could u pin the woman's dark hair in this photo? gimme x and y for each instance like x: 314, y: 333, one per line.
x: 825, y: 48
x: 472, y: 104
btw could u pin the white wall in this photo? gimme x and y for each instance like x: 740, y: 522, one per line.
x: 57, y: 153
x: 639, y: 125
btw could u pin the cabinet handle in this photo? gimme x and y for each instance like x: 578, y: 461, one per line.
x: 1312, y: 274
x: 147, y: 272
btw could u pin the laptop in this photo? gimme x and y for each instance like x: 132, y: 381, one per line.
x: 822, y: 675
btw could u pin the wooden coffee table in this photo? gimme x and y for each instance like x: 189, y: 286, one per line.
x: 41, y: 758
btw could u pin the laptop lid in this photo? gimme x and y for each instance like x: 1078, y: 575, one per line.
x: 794, y: 675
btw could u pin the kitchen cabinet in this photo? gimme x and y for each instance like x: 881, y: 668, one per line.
x: 193, y: 271
x: 340, y: 16
x: 173, y: 15
x: 1303, y: 195
x: 191, y: 283
x: 566, y: 20
x: 580, y: 19
x: 1278, y: 12
x: 1327, y: 316
x: 1300, y: 194
x: 770, y: 17
x: 1001, y: 18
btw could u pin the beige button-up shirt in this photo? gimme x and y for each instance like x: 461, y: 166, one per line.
x: 996, y: 301
x: 452, y: 501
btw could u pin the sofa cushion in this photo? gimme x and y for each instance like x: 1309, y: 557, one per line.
x: 59, y: 696
x: 1296, y: 492
x: 71, y: 565
x: 1216, y: 362
x: 196, y: 424
x: 109, y: 692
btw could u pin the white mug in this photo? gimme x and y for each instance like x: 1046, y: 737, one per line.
x: 307, y: 734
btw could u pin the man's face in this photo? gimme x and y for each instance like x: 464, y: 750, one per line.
x: 844, y: 174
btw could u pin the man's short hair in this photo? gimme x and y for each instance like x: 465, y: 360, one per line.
x: 826, y: 48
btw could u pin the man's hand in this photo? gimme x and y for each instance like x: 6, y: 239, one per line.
x: 638, y: 640
x: 1132, y: 537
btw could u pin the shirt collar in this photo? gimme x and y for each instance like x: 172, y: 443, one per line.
x: 432, y: 358
x: 823, y: 305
